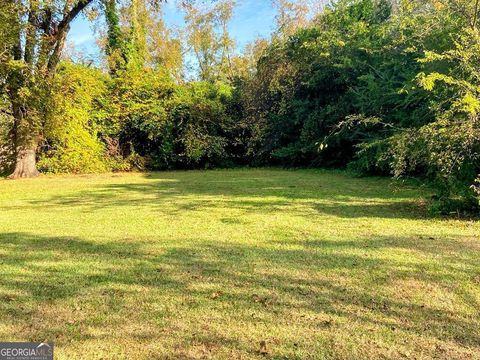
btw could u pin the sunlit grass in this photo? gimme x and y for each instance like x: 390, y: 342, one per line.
x: 196, y: 265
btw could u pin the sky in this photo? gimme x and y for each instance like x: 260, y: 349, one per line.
x: 251, y: 19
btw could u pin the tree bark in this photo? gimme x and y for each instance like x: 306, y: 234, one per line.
x: 26, y: 164
x: 25, y: 146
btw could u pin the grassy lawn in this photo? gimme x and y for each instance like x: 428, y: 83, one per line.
x: 214, y: 264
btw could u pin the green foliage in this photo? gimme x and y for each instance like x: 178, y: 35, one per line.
x: 72, y: 132
x: 453, y: 139
x: 115, y: 48
x: 385, y: 93
x: 208, y: 37
x: 202, y: 124
x: 140, y: 103
x: 170, y: 125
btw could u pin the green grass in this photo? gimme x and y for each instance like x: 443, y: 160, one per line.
x: 209, y: 264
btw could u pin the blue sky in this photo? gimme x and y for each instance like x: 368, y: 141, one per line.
x: 252, y: 18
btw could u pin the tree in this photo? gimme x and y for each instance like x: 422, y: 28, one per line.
x: 140, y: 38
x: 291, y: 16
x: 209, y: 40
x: 35, y: 37
x: 165, y: 47
x: 34, y: 34
x: 115, y: 48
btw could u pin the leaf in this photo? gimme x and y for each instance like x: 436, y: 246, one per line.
x: 216, y: 295
x: 263, y: 348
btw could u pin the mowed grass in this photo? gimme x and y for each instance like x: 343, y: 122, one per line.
x: 236, y: 264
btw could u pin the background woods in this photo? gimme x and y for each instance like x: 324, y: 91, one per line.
x: 379, y: 86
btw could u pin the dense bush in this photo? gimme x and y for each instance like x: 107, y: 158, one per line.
x: 166, y: 125
x: 202, y: 126
x: 138, y: 119
x: 138, y: 112
x: 72, y: 133
x: 385, y: 93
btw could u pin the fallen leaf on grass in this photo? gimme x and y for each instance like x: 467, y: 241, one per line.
x: 216, y: 295
x: 264, y: 300
x: 263, y: 348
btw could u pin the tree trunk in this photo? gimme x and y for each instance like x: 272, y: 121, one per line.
x: 25, y: 146
x: 26, y: 164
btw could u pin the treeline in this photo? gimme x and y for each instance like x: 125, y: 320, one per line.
x: 378, y: 86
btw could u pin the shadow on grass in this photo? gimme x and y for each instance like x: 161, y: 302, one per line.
x: 332, y: 195
x: 317, y: 277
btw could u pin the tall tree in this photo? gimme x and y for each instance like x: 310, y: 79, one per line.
x: 33, y: 34
x: 209, y: 40
x: 165, y: 47
x: 291, y: 15
x: 115, y: 48
x: 37, y: 31
x: 140, y: 38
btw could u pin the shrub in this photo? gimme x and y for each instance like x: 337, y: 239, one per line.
x: 71, y: 139
x: 202, y: 125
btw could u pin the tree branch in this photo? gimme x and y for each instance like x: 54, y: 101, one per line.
x: 62, y: 30
x: 72, y: 14
x: 31, y: 36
